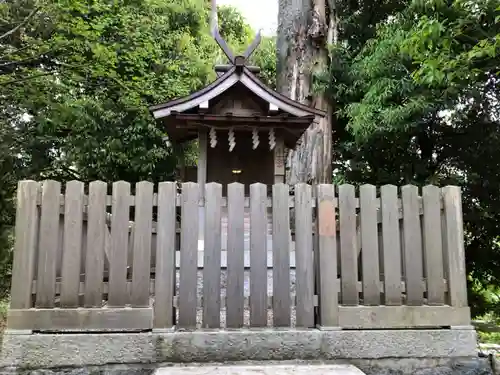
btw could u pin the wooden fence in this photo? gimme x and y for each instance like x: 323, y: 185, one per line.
x: 85, y: 260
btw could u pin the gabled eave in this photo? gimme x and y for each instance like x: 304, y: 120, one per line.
x: 226, y: 81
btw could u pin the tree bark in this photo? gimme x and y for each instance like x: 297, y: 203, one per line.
x: 305, y: 30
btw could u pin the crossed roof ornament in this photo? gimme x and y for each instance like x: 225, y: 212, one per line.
x: 224, y: 46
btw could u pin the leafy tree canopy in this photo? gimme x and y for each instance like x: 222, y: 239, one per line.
x: 77, y: 77
x: 84, y: 73
x: 419, y: 103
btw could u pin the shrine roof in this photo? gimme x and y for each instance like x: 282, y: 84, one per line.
x: 239, y: 73
x: 236, y: 100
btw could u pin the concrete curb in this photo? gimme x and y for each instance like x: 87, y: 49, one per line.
x: 262, y: 369
x: 61, y: 350
x: 397, y: 366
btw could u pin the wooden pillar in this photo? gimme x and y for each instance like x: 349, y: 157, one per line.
x: 279, y: 160
x: 202, y: 161
x: 202, y: 180
x: 181, y: 166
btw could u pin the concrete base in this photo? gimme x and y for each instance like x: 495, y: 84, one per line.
x: 414, y: 366
x: 61, y: 350
x: 270, y: 369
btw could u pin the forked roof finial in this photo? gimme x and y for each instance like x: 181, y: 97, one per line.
x: 214, y: 21
x: 214, y: 28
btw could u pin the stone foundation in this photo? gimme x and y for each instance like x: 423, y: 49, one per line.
x: 414, y: 366
x: 45, y: 351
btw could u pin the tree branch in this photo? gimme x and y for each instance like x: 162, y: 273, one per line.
x: 74, y: 174
x: 17, y: 50
x: 23, y: 22
x: 118, y: 81
x: 13, y: 81
x: 19, y: 62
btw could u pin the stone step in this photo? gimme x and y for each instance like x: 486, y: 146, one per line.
x: 262, y: 369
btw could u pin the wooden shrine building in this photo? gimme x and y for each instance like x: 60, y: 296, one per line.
x: 243, y: 127
x: 98, y: 279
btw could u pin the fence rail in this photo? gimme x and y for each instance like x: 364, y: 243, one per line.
x: 359, y: 258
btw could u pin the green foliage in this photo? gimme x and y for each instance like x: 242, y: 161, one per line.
x: 76, y: 80
x: 419, y: 103
x: 458, y: 46
x: 239, y: 35
x: 489, y: 337
x: 103, y: 64
x: 116, y: 59
x: 233, y: 27
x: 358, y: 20
x: 415, y: 87
x: 265, y: 58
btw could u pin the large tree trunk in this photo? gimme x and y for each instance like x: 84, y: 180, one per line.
x: 305, y: 29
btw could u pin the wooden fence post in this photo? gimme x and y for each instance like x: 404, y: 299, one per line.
x: 235, y: 257
x: 258, y: 255
x: 391, y: 245
x: 189, y: 255
x: 348, y: 245
x: 304, y: 256
x: 48, y: 245
x: 369, y: 244
x: 165, y: 256
x: 212, y: 256
x: 118, y: 295
x: 433, y: 245
x: 96, y: 240
x: 327, y: 232
x: 281, y: 256
x: 72, y: 244
x: 454, y: 247
x: 23, y: 268
x: 412, y: 252
x: 141, y: 267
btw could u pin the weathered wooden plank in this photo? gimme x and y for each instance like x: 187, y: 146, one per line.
x: 118, y: 295
x: 316, y: 254
x: 327, y: 231
x: 48, y: 245
x: 235, y: 255
x: 212, y: 256
x: 454, y: 246
x: 23, y: 267
x: 201, y: 202
x: 96, y: 239
x: 348, y: 245
x: 258, y: 255
x: 152, y: 289
x: 72, y: 243
x: 391, y: 240
x: 304, y: 256
x: 97, y: 319
x: 189, y: 250
x: 165, y: 256
x: 398, y: 317
x: 369, y: 245
x: 152, y: 286
x: 433, y: 245
x: 412, y: 253
x: 142, y: 244
x: 281, y: 257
